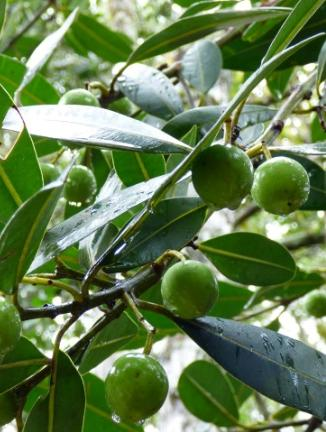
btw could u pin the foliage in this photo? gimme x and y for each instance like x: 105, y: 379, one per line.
x: 99, y: 200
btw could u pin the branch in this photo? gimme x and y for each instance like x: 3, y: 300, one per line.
x: 304, y: 241
x: 276, y: 426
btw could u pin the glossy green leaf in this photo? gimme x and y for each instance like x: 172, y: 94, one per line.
x: 250, y: 258
x: 195, y: 27
x: 5, y: 103
x: 109, y: 340
x: 206, y: 116
x: 151, y: 90
x: 19, y: 364
x: 277, y: 82
x: 277, y: 366
x: 67, y: 406
x: 317, y: 176
x: 231, y: 300
x: 173, y: 224
x: 135, y: 167
x: 201, y: 65
x: 300, y: 285
x: 316, y: 131
x: 321, y: 65
x: 20, y: 176
x: 98, y: 417
x: 23, y: 233
x: 99, y: 39
x: 2, y: 13
x: 93, y: 127
x: 241, y: 391
x: 44, y: 51
x: 84, y: 223
x: 200, y: 6
x: 253, y: 52
x: 207, y: 394
x: 295, y: 21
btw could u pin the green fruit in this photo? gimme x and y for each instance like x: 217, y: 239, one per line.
x: 316, y: 304
x: 122, y: 106
x: 222, y: 176
x: 281, y: 185
x: 10, y: 326
x: 79, y: 97
x: 50, y: 172
x: 80, y: 186
x: 8, y: 408
x: 136, y: 387
x: 189, y: 289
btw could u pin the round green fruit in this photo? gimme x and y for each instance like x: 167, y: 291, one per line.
x: 10, y: 326
x: 222, y: 176
x: 281, y: 185
x: 80, y: 186
x: 316, y: 304
x: 136, y: 387
x: 8, y: 408
x: 189, y: 289
x: 122, y: 106
x: 79, y: 97
x: 50, y: 172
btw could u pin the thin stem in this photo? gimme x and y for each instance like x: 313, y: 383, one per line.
x: 277, y: 426
x: 34, y: 280
x: 260, y: 312
x: 228, y: 131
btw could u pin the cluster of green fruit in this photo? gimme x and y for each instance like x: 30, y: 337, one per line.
x: 11, y: 326
x: 137, y: 385
x: 224, y: 175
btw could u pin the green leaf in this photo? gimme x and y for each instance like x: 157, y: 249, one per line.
x: 277, y: 366
x: 23, y: 233
x: 201, y: 65
x: 321, y: 76
x: 84, y: 223
x: 250, y: 258
x: 241, y: 391
x: 317, y: 176
x: 93, y: 127
x: 5, y: 104
x: 207, y: 394
x: 277, y: 82
x: 68, y: 403
x: 316, y: 131
x: 151, y: 90
x: 300, y: 285
x: 135, y: 167
x: 173, y: 224
x: 201, y: 6
x: 99, y: 39
x: 231, y: 300
x: 44, y: 51
x: 2, y: 13
x: 98, y: 417
x: 206, y: 116
x: 109, y: 340
x: 295, y: 21
x: 192, y: 28
x: 19, y: 364
x: 20, y: 176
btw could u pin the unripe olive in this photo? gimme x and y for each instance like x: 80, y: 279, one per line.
x: 80, y: 186
x: 50, y: 172
x: 79, y: 96
x: 10, y: 326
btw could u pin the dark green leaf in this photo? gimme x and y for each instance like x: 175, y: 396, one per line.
x: 241, y: 391
x: 207, y: 394
x: 295, y: 21
x: 99, y: 39
x: 202, y: 64
x: 67, y: 406
x: 93, y: 127
x: 20, y: 176
x: 277, y: 366
x: 2, y: 13
x: 317, y: 132
x: 278, y: 81
x: 22, y: 235
x: 135, y: 167
x: 231, y: 300
x: 19, y: 364
x: 83, y: 224
x: 173, y: 224
x: 98, y: 417
x: 195, y: 27
x: 151, y: 90
x: 112, y: 338
x: 250, y: 258
x: 5, y: 104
